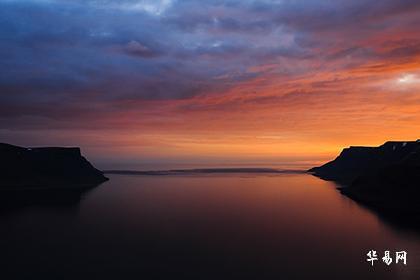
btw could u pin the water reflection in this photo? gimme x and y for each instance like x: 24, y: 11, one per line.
x: 204, y: 227
x: 401, y: 221
x: 408, y: 223
x: 18, y: 200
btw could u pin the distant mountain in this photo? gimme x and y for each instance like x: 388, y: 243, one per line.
x: 201, y: 171
x: 387, y: 176
x: 50, y: 167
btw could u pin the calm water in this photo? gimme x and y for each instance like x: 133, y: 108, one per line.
x: 231, y: 226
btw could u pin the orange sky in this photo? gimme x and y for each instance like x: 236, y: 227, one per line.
x: 279, y: 84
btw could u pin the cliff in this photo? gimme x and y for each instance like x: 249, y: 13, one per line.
x: 356, y: 161
x: 51, y: 167
x: 395, y: 186
x: 385, y: 177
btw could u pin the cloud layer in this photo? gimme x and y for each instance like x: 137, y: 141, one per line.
x: 202, y: 77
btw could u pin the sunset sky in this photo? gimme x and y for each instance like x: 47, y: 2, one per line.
x: 147, y: 83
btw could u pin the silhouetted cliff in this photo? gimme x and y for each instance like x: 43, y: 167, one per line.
x: 386, y: 177
x: 396, y: 185
x: 356, y: 161
x: 51, y: 167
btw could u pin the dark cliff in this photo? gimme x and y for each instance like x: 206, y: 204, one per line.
x: 396, y: 185
x: 386, y: 177
x: 51, y: 167
x: 354, y: 162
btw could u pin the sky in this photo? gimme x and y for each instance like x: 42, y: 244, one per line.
x: 148, y: 83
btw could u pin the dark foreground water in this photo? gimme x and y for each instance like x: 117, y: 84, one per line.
x: 227, y: 226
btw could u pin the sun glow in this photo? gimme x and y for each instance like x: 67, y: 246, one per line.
x: 408, y: 79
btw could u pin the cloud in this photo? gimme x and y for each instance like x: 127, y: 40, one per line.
x: 180, y: 65
x: 137, y: 49
x: 155, y: 7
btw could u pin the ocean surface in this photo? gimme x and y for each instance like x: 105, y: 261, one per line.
x: 202, y: 226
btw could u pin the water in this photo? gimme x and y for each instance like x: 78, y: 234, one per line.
x: 219, y: 226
